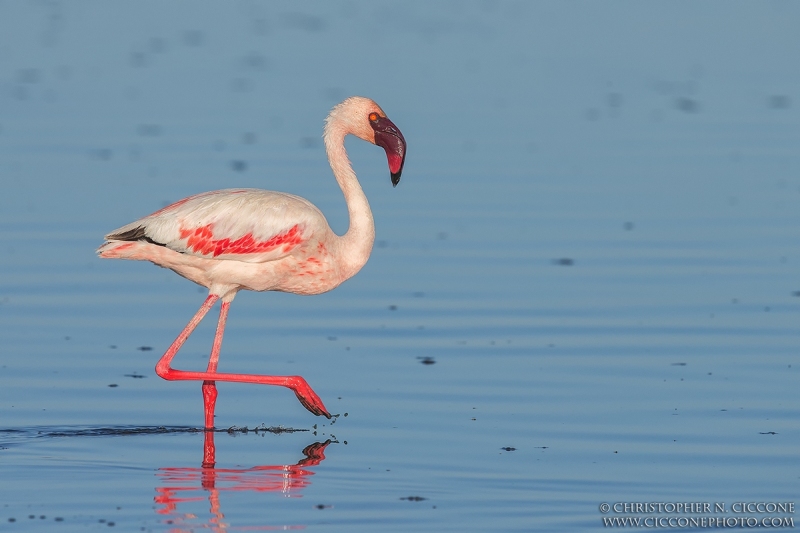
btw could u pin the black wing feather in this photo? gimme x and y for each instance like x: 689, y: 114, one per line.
x: 135, y: 234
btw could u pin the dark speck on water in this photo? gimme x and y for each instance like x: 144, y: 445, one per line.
x: 138, y: 59
x: 242, y: 85
x: 564, y: 261
x: 687, y: 105
x: 426, y: 360
x: 614, y: 100
x: 255, y: 60
x: 28, y: 75
x: 194, y: 37
x: 413, y: 498
x: 144, y: 348
x: 148, y: 130
x: 304, y: 21
x: 508, y: 448
x: 309, y: 142
x: 591, y: 114
x: 779, y: 101
x: 238, y: 165
x: 157, y: 45
x: 101, y: 154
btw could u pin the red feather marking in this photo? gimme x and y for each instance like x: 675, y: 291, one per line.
x: 201, y: 240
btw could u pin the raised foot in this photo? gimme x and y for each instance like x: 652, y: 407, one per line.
x: 307, y: 396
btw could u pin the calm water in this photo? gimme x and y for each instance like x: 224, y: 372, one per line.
x: 584, y: 290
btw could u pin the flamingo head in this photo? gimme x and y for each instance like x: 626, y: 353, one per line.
x: 365, y: 119
x: 388, y: 137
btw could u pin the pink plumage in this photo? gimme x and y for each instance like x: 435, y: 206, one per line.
x: 258, y: 240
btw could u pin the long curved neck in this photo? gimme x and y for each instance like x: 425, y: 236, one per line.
x: 356, y: 244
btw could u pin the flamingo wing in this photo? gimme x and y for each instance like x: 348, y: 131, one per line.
x: 249, y: 225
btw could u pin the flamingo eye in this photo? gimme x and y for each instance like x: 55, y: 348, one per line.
x: 373, y: 117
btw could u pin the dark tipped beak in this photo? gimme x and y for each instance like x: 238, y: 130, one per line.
x: 388, y: 137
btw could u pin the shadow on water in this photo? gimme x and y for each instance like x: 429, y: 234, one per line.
x: 181, y: 486
x: 18, y: 434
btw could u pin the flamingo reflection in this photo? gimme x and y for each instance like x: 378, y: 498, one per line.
x: 193, y: 484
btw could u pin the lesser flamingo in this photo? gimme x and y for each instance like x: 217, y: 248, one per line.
x: 258, y: 240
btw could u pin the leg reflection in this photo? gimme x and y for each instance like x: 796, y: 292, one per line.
x: 185, y: 487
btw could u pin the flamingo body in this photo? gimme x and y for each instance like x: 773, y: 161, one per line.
x: 238, y: 239
x: 251, y: 239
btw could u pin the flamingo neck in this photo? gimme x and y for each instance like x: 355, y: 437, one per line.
x: 356, y: 244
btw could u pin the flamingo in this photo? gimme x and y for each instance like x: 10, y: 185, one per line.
x: 258, y: 240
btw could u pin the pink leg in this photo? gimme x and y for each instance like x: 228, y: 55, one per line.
x: 302, y: 390
x: 209, y: 403
x: 209, y: 387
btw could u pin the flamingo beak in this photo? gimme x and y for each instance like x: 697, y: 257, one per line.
x: 388, y: 137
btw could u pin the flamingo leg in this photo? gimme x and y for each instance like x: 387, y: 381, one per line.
x: 209, y: 387
x: 297, y: 384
